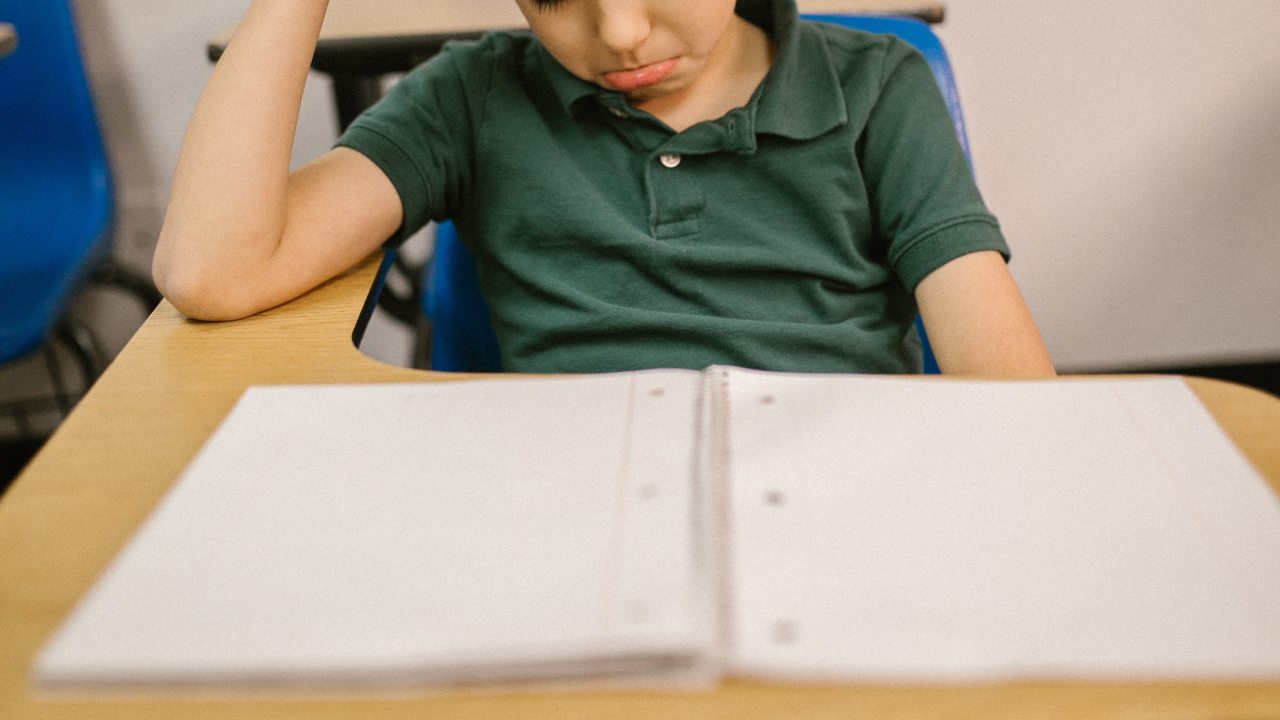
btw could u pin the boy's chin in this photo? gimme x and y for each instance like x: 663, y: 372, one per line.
x: 644, y: 95
x: 652, y: 92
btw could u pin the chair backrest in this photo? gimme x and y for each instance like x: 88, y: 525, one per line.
x: 461, y: 331
x: 55, y: 185
x: 462, y: 338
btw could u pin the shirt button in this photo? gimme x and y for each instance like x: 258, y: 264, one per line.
x: 670, y: 160
x: 617, y: 112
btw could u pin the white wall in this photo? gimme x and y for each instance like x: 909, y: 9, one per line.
x: 1130, y: 147
x: 1132, y: 151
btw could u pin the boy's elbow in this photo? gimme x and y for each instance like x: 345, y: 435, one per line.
x: 198, y: 293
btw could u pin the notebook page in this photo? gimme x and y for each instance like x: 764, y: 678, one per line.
x: 912, y: 529
x: 407, y: 533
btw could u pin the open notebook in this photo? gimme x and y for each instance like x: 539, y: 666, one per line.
x: 685, y: 525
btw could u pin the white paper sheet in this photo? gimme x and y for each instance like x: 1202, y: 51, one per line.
x: 905, y: 530
x: 409, y: 533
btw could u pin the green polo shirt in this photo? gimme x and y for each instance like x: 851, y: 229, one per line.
x: 787, y: 235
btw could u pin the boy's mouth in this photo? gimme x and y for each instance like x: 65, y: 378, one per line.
x: 641, y: 77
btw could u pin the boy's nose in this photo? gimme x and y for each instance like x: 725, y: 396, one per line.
x: 623, y: 24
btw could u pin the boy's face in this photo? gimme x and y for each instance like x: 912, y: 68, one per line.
x: 644, y: 48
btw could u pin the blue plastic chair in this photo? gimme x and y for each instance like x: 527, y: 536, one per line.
x: 55, y: 192
x: 459, y: 333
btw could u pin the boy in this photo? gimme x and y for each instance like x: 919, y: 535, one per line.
x: 644, y: 182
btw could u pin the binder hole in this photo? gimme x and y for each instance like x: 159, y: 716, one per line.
x: 785, y: 632
x: 775, y: 498
x: 657, y: 392
x: 648, y: 491
x: 768, y: 400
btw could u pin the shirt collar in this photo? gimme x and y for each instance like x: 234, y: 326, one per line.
x: 800, y: 98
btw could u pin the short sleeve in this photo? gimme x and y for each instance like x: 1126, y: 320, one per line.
x: 926, y: 204
x: 421, y: 134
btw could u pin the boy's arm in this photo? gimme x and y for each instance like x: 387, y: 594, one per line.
x: 977, y: 321
x: 241, y: 233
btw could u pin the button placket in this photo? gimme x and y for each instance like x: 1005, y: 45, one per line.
x: 676, y: 197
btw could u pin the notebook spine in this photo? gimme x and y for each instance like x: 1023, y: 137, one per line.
x: 721, y: 494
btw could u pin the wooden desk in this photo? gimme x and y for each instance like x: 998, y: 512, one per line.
x: 362, y: 40
x: 8, y: 39
x: 128, y: 440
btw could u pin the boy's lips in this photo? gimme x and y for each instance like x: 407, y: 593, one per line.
x: 641, y: 77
